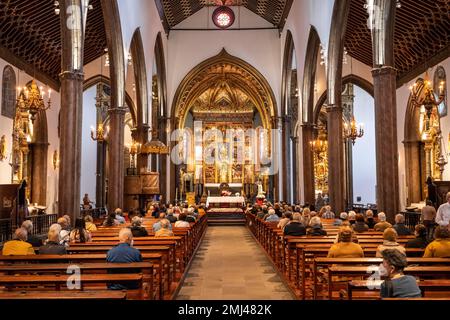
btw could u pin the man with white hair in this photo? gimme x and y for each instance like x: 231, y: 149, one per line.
x: 272, y: 217
x: 443, y: 213
x: 382, y: 223
x: 119, y: 215
x: 64, y: 235
x: 33, y: 240
x: 136, y: 227
x: 53, y: 245
x: 400, y: 227
x: 164, y: 231
x: 157, y: 225
x: 124, y: 253
x: 18, y: 246
x: 316, y: 228
x: 295, y: 226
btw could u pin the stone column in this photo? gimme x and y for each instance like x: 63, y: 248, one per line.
x: 336, y: 168
x: 286, y: 157
x: 308, y: 163
x: 116, y: 152
x: 384, y: 82
x: 413, y: 171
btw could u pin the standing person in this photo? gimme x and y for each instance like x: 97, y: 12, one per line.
x: 428, y: 217
x: 397, y: 285
x: 443, y: 213
x: 319, y: 202
x: 432, y: 191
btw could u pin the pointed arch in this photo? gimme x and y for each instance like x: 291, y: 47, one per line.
x: 309, y: 75
x: 140, y: 77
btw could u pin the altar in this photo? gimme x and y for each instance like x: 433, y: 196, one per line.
x: 225, y: 202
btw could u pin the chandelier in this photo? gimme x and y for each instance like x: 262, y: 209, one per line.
x: 354, y: 131
x: 31, y: 100
x: 429, y: 100
x: 320, y: 145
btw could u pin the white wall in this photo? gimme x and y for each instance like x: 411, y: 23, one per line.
x: 364, y: 156
x: 402, y: 100
x: 6, y: 126
x: 88, y: 146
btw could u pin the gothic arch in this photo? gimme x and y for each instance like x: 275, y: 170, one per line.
x: 140, y: 77
x: 309, y: 75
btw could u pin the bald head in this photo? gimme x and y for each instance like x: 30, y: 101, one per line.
x: 125, y: 235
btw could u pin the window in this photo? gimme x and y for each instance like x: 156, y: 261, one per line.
x: 8, y: 92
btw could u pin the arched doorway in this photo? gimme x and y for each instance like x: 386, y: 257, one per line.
x: 229, y: 97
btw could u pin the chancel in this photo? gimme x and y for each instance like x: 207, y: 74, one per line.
x: 224, y: 150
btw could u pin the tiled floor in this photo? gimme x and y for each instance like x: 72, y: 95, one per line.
x: 230, y: 265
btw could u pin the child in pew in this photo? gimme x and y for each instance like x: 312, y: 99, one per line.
x: 124, y: 253
x: 397, y: 285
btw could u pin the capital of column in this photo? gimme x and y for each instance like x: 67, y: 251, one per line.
x: 333, y: 108
x: 117, y: 110
x: 308, y: 125
x: 384, y: 70
x: 71, y: 75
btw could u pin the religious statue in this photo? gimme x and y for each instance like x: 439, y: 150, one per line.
x: 223, y: 172
x: 185, y: 181
x: 182, y: 181
x: 261, y: 192
x: 3, y: 148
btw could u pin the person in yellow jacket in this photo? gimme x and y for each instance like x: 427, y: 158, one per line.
x: 90, y: 226
x: 440, y: 247
x: 345, y: 248
x: 19, y: 245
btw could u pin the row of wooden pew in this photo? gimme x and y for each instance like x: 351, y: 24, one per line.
x: 303, y: 262
x: 165, y: 260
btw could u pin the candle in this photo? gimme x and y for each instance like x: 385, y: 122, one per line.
x: 176, y: 194
x: 49, y: 93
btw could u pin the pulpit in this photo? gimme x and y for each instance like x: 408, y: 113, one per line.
x: 139, y: 189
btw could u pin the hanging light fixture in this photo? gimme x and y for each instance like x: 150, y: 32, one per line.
x: 320, y: 144
x: 354, y: 131
x: 429, y: 100
x: 31, y: 99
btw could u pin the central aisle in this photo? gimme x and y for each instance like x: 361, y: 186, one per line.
x: 229, y: 264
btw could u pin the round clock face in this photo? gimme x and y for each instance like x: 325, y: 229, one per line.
x: 223, y: 17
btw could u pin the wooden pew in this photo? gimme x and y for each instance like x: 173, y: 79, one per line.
x: 64, y: 295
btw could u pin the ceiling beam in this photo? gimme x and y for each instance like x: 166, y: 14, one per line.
x: 20, y: 63
x: 422, y: 67
x: 160, y: 8
x: 287, y: 9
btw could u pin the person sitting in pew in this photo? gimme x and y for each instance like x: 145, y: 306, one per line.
x: 18, y: 246
x: 111, y: 220
x: 119, y: 216
x: 64, y: 233
x: 286, y: 218
x: 400, y: 227
x: 182, y: 223
x: 124, y: 253
x: 345, y: 248
x: 397, y: 285
x: 190, y: 215
x: 157, y: 225
x: 420, y: 241
x: 170, y: 216
x: 360, y: 225
x: 352, y: 217
x: 53, y: 245
x: 136, y: 227
x: 68, y: 226
x: 328, y: 214
x: 307, y: 215
x: 343, y: 216
x: 165, y: 230
x: 382, y: 224
x: 271, y: 216
x: 316, y: 228
x: 295, y: 227
x: 79, y: 234
x: 440, y: 247
x: 90, y: 226
x: 33, y: 240
x: 389, y: 242
x: 369, y: 219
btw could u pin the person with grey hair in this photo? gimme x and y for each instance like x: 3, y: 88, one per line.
x: 68, y: 227
x: 119, y: 215
x: 157, y: 225
x: 443, y: 212
x: 369, y: 219
x: 124, y: 253
x: 342, y: 217
x: 33, y: 240
x: 18, y: 246
x: 136, y: 227
x: 352, y: 217
x: 164, y: 231
x: 53, y: 245
x: 400, y: 227
x: 295, y: 226
x: 64, y: 235
x: 382, y: 223
x: 271, y: 216
x: 316, y: 228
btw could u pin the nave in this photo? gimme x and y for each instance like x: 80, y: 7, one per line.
x: 231, y: 265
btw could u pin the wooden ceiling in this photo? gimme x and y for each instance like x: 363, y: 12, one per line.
x: 30, y: 31
x: 172, y: 12
x: 421, y: 37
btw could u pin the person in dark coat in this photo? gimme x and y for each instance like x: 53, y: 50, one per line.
x: 295, y: 227
x: 316, y: 228
x: 53, y: 245
x: 136, y: 229
x: 400, y: 227
x: 31, y: 239
x: 360, y: 225
x: 420, y: 241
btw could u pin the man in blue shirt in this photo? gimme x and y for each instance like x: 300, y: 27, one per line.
x: 124, y: 253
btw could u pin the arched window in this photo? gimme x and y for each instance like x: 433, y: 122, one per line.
x: 8, y: 92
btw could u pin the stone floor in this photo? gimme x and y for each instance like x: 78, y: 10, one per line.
x: 230, y: 265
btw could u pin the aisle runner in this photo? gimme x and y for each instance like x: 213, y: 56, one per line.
x: 230, y: 265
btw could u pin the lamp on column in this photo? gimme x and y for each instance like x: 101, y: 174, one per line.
x: 99, y: 134
x: 429, y: 100
x: 354, y: 130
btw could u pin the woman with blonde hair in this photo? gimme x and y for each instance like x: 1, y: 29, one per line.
x: 389, y: 242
